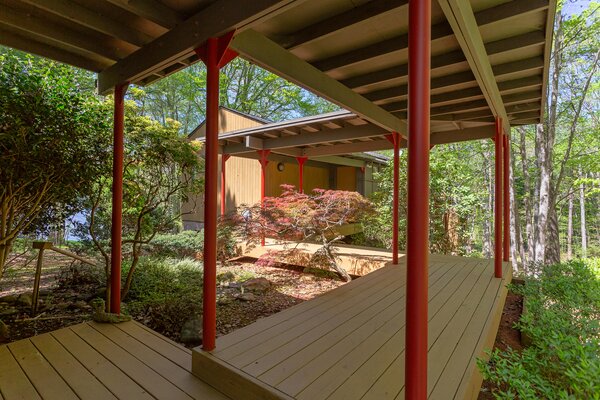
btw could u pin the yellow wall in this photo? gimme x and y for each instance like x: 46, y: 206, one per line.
x: 346, y: 178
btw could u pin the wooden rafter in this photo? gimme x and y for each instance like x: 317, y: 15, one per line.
x: 268, y: 54
x: 179, y: 42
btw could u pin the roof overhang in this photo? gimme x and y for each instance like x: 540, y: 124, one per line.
x: 490, y: 58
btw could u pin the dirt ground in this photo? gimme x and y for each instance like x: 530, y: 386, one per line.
x: 65, y: 295
x: 507, y: 336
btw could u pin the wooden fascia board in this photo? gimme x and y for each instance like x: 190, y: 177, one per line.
x: 269, y: 55
x: 216, y: 19
x: 340, y: 149
x: 331, y: 135
x: 337, y: 160
x: 549, y: 32
x: 463, y: 135
x: 462, y: 20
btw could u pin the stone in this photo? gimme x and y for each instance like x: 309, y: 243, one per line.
x: 10, y: 299
x: 63, y: 305
x: 247, y: 297
x: 4, y: 332
x: 256, y: 285
x: 81, y: 305
x: 9, y: 311
x: 24, y: 299
x: 191, y: 331
x: 224, y: 300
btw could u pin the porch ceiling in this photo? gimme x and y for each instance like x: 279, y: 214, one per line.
x: 489, y: 57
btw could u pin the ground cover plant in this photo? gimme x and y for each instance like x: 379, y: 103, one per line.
x: 561, y: 322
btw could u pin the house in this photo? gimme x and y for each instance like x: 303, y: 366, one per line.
x: 243, y: 170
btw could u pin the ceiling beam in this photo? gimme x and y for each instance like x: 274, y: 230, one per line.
x: 216, y: 19
x: 338, y: 22
x: 442, y: 30
x: 269, y: 55
x: 16, y: 41
x: 152, y: 10
x: 81, y: 15
x: 444, y: 60
x: 458, y: 78
x: 26, y: 21
x: 462, y: 19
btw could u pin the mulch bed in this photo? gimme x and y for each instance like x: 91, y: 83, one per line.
x: 507, y: 336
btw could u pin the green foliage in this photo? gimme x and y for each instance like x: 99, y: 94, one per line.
x: 180, y: 245
x: 166, y: 292
x: 456, y: 194
x: 563, y: 321
x: 53, y: 141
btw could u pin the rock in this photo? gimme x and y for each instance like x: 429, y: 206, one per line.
x: 45, y: 292
x: 256, y: 285
x: 9, y: 311
x: 191, y: 331
x: 24, y: 299
x: 234, y: 285
x: 63, y: 305
x: 223, y: 301
x: 81, y: 305
x: 10, y: 299
x: 4, y: 332
x: 247, y: 297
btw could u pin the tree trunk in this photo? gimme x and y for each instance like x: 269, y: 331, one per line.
x: 570, y: 228
x: 331, y: 258
x: 530, y: 237
x: 516, y: 240
x: 553, y: 238
x: 543, y: 203
x: 582, y: 215
x: 487, y: 215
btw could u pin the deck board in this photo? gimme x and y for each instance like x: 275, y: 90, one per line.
x: 100, y: 361
x: 349, y: 343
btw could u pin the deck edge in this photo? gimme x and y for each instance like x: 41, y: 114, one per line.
x: 231, y: 381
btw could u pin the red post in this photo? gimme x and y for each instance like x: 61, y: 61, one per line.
x: 498, y: 196
x: 215, y: 53
x: 117, y: 200
x: 224, y: 158
x: 301, y: 161
x: 264, y: 154
x: 417, y: 246
x: 506, y: 200
x: 394, y: 138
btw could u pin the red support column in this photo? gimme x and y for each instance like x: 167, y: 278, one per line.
x: 224, y: 158
x: 301, y: 161
x: 117, y: 201
x: 215, y: 54
x: 264, y: 154
x: 506, y: 200
x: 498, y: 195
x: 417, y: 247
x: 394, y: 138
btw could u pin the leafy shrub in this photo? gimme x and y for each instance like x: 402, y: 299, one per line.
x: 563, y: 322
x: 183, y: 244
x: 166, y: 292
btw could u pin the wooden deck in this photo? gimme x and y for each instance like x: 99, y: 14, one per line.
x: 349, y: 343
x: 356, y: 260
x: 100, y: 361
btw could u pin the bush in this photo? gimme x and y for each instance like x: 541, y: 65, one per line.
x: 166, y: 292
x: 563, y: 322
x: 183, y: 244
